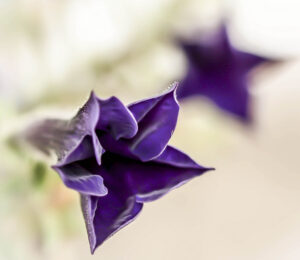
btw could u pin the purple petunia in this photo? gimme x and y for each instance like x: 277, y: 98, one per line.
x: 117, y: 157
x: 218, y: 71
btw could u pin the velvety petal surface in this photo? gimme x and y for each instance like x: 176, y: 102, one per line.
x: 157, y: 118
x: 149, y: 180
x: 78, y: 178
x: 117, y: 158
x: 104, y: 216
x: 116, y: 119
x: 156, y: 178
x: 130, y: 183
x: 140, y: 108
x: 156, y: 127
x: 174, y: 157
x: 88, y: 207
x: 71, y: 140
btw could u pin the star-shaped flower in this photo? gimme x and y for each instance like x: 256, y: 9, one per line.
x: 218, y: 71
x: 117, y: 158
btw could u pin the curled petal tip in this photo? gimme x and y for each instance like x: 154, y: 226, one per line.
x: 93, y: 249
x: 173, y: 87
x: 210, y: 169
x: 92, y: 94
x: 77, y: 178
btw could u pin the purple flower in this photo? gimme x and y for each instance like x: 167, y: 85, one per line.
x: 117, y: 158
x: 218, y: 71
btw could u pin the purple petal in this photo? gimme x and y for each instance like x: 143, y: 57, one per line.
x: 136, y: 164
x: 77, y: 178
x: 165, y: 173
x: 235, y: 101
x: 228, y: 91
x: 191, y: 84
x: 173, y: 157
x: 71, y: 140
x: 155, y: 128
x: 114, y: 212
x: 250, y: 61
x: 219, y: 71
x: 88, y: 208
x: 151, y: 180
x: 121, y: 146
x: 116, y: 119
x: 108, y: 214
x: 141, y: 108
x: 130, y: 183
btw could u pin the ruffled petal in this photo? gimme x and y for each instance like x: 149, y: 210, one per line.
x: 116, y: 119
x: 121, y: 146
x: 157, y: 118
x: 78, y: 178
x: 76, y: 139
x: 141, y: 108
x: 71, y: 140
x: 156, y: 127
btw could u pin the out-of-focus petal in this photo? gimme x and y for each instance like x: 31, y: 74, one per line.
x: 219, y: 71
x: 235, y: 100
x: 250, y: 61
x: 71, y: 140
x: 190, y: 84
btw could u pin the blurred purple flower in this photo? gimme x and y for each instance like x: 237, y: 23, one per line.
x: 117, y: 158
x: 218, y: 71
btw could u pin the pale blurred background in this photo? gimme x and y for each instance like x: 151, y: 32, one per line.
x: 52, y: 53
